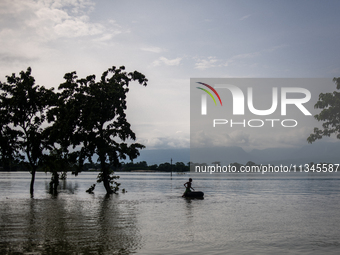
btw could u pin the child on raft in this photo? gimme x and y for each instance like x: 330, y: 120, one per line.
x: 188, y: 187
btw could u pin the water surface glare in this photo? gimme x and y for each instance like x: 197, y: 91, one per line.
x: 240, y: 214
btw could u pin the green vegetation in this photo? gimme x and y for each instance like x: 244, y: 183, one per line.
x: 164, y: 167
x: 330, y: 114
x: 24, y: 106
x: 58, y: 131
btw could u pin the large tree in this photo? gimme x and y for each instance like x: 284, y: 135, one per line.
x: 23, y: 109
x: 330, y: 114
x: 9, y: 142
x: 90, y: 117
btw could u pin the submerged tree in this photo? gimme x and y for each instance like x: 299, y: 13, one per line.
x: 58, y: 165
x: 23, y: 107
x: 91, y: 118
x: 330, y: 115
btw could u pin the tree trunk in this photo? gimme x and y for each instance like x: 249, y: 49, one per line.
x: 54, y: 183
x: 105, y: 172
x: 32, y: 182
x: 107, y: 182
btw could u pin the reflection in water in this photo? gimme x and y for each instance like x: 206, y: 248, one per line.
x: 189, y: 224
x: 63, y: 187
x: 258, y: 214
x: 117, y: 229
x: 66, y: 225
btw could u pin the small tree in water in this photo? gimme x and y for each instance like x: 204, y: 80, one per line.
x: 91, y: 116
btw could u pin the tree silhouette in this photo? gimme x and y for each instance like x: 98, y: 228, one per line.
x: 23, y: 111
x: 91, y: 118
x: 330, y: 115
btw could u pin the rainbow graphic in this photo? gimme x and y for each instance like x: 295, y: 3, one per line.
x: 213, y: 90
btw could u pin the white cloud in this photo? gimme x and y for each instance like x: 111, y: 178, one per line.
x: 104, y: 37
x: 53, y: 21
x: 77, y: 27
x: 77, y: 6
x: 49, y: 20
x: 206, y: 63
x: 32, y: 30
x: 168, y: 62
x: 166, y: 142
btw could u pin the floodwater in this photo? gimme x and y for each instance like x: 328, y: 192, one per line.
x: 240, y: 214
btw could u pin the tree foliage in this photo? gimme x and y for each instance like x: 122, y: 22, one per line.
x: 9, y: 144
x: 23, y: 109
x: 330, y: 114
x: 91, y: 116
x: 59, y: 131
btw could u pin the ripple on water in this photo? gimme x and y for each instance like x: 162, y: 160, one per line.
x: 237, y: 216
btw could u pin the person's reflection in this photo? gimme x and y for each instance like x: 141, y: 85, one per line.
x: 189, y: 226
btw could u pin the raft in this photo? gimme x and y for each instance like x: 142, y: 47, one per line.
x: 194, y: 194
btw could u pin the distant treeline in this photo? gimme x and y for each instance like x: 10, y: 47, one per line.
x: 164, y: 167
x: 143, y: 165
x: 167, y: 167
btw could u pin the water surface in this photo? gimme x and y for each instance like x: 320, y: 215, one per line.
x: 241, y: 214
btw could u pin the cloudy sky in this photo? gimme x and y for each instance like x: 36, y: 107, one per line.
x: 170, y: 42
